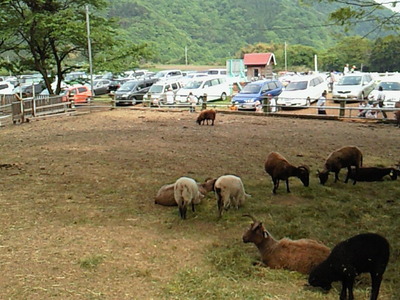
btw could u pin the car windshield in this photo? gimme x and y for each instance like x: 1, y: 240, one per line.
x: 128, y: 86
x: 156, y: 88
x: 251, y: 89
x: 389, y: 86
x: 160, y: 74
x: 296, y: 86
x: 193, y: 85
x: 350, y: 80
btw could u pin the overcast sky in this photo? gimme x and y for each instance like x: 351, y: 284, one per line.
x: 389, y: 4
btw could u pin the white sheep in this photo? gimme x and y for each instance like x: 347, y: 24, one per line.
x: 229, y: 190
x: 186, y: 192
x: 296, y: 255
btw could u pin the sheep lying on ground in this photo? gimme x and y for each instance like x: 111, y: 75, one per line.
x: 372, y: 174
x: 345, y: 157
x: 229, y: 190
x: 363, y: 253
x: 206, y: 115
x: 165, y: 195
x: 280, y: 169
x: 186, y: 192
x: 299, y: 255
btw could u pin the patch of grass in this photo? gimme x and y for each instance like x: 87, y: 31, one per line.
x: 91, y: 262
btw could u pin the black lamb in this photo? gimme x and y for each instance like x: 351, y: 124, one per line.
x: 363, y: 253
x: 372, y: 174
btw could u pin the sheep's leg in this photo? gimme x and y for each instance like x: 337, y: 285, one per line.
x: 343, y: 292
x: 192, y: 206
x: 182, y: 212
x: 219, y: 202
x: 336, y: 176
x: 212, y: 123
x: 276, y: 185
x: 287, y: 185
x: 376, y: 279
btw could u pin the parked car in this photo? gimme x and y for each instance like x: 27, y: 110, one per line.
x: 217, y: 72
x: 133, y: 91
x: 6, y: 88
x: 168, y: 74
x: 354, y: 86
x: 215, y: 88
x: 391, y: 90
x: 192, y: 76
x: 29, y: 90
x: 157, y: 90
x: 78, y: 94
x: 116, y: 84
x: 255, y: 92
x: 100, y: 86
x: 302, y: 91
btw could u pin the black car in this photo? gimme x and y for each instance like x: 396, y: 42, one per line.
x: 116, y: 84
x: 30, y: 89
x: 132, y: 91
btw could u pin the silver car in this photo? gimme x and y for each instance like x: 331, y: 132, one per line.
x: 354, y: 86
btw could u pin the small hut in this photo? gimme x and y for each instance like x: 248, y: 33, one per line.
x: 259, y: 65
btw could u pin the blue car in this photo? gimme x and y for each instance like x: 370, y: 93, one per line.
x: 255, y: 92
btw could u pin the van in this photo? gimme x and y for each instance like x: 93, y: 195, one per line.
x: 215, y: 88
x: 157, y: 91
x: 255, y: 92
x: 354, y: 86
x: 133, y: 91
x: 302, y: 91
x: 168, y: 74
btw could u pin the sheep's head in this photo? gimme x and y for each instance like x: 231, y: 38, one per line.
x: 320, y: 278
x: 207, y: 185
x: 304, y: 174
x: 256, y: 233
x: 323, y: 176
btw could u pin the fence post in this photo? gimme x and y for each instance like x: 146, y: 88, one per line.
x: 342, y: 108
x: 204, y: 104
x: 33, y: 107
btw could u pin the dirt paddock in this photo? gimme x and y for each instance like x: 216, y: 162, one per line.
x: 77, y: 218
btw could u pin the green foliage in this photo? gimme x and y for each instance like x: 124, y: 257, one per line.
x: 385, y: 54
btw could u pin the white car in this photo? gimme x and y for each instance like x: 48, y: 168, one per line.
x: 6, y: 88
x: 215, y: 88
x: 391, y: 90
x: 353, y: 86
x: 302, y: 91
x: 191, y: 77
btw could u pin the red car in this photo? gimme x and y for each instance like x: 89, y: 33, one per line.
x: 78, y: 94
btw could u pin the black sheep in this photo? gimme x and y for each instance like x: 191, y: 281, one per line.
x: 363, y: 253
x: 372, y: 174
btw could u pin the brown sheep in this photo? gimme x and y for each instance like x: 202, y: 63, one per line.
x: 296, y: 255
x: 280, y: 169
x: 206, y: 115
x: 345, y: 157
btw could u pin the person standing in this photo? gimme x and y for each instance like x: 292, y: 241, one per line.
x: 192, y: 101
x: 331, y: 80
x: 346, y: 69
x: 169, y: 95
x: 381, y: 98
x: 321, y: 104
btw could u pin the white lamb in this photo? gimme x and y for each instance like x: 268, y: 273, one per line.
x: 186, y: 192
x: 229, y: 190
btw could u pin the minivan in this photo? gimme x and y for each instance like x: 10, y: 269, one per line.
x: 302, y: 91
x: 157, y: 91
x: 255, y: 92
x: 215, y: 88
x: 133, y: 91
x: 354, y: 86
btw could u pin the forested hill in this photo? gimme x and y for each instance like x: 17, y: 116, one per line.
x: 215, y: 30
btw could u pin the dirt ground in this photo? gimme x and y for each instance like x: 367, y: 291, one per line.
x: 77, y: 218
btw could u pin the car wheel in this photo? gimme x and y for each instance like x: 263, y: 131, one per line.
x: 223, y: 96
x: 133, y: 101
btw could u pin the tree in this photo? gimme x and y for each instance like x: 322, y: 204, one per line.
x: 385, y: 56
x: 49, y: 36
x: 357, y: 11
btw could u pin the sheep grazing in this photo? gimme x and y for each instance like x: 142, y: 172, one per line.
x: 363, y: 253
x: 372, y: 174
x: 345, y: 157
x: 296, y: 255
x: 166, y: 197
x: 280, y: 169
x: 206, y: 115
x: 229, y: 190
x: 186, y: 192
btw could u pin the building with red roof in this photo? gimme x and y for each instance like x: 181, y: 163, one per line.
x: 259, y: 65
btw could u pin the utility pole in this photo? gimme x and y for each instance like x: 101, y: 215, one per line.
x: 89, y: 48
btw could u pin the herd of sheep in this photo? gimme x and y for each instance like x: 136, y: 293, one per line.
x: 363, y: 253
